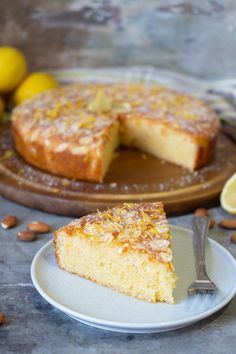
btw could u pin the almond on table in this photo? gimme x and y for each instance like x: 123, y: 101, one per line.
x: 212, y: 223
x: 9, y: 221
x: 39, y: 227
x: 204, y: 212
x: 2, y: 318
x: 233, y: 238
x: 27, y: 236
x: 228, y: 224
x: 201, y: 212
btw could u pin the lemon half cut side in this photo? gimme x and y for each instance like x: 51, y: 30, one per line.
x: 228, y: 195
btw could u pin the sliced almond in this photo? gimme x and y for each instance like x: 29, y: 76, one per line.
x: 39, y: 227
x: 212, y: 223
x: 61, y: 147
x: 228, y: 224
x: 9, y: 221
x: 159, y: 244
x: 165, y: 257
x: 79, y: 150
x: 107, y: 237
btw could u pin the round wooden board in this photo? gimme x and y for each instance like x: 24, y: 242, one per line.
x: 132, y: 176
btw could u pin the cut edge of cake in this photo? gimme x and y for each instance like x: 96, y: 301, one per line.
x: 166, y: 142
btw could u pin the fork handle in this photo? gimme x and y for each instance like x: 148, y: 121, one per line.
x: 200, y: 226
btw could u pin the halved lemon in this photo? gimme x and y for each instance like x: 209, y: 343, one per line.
x: 228, y: 195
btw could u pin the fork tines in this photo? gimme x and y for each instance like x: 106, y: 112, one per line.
x: 203, y: 287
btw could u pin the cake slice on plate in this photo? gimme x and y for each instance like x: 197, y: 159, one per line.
x: 126, y: 248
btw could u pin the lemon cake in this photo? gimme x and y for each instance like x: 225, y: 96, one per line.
x: 126, y: 248
x: 73, y: 131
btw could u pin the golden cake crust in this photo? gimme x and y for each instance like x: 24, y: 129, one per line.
x: 61, y: 132
x: 141, y: 227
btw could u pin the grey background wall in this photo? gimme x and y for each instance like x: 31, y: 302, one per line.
x: 197, y: 37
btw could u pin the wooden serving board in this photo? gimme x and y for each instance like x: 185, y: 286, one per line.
x: 132, y: 176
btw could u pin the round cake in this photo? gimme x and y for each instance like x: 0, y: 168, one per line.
x: 73, y: 131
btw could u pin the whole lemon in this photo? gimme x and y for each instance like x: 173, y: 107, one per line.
x: 12, y: 68
x: 2, y: 109
x: 32, y: 85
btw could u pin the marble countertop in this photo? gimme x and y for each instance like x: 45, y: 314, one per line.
x: 34, y: 326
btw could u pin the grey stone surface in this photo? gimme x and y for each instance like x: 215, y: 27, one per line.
x: 191, y: 36
x: 34, y: 326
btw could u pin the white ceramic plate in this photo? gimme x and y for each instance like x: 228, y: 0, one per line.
x: 104, y: 308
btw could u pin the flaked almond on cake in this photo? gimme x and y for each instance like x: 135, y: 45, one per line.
x: 73, y: 131
x: 126, y: 248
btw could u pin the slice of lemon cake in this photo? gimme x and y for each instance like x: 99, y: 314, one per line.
x: 126, y: 248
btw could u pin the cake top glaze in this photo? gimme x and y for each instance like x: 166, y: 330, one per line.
x: 142, y: 227
x: 82, y: 110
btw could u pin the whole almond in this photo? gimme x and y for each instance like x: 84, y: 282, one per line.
x: 9, y: 221
x: 27, y: 235
x: 201, y: 212
x: 2, y: 318
x: 228, y: 224
x: 212, y: 223
x: 39, y: 227
x: 233, y: 238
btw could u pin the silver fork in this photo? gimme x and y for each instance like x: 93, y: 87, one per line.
x: 203, y: 284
